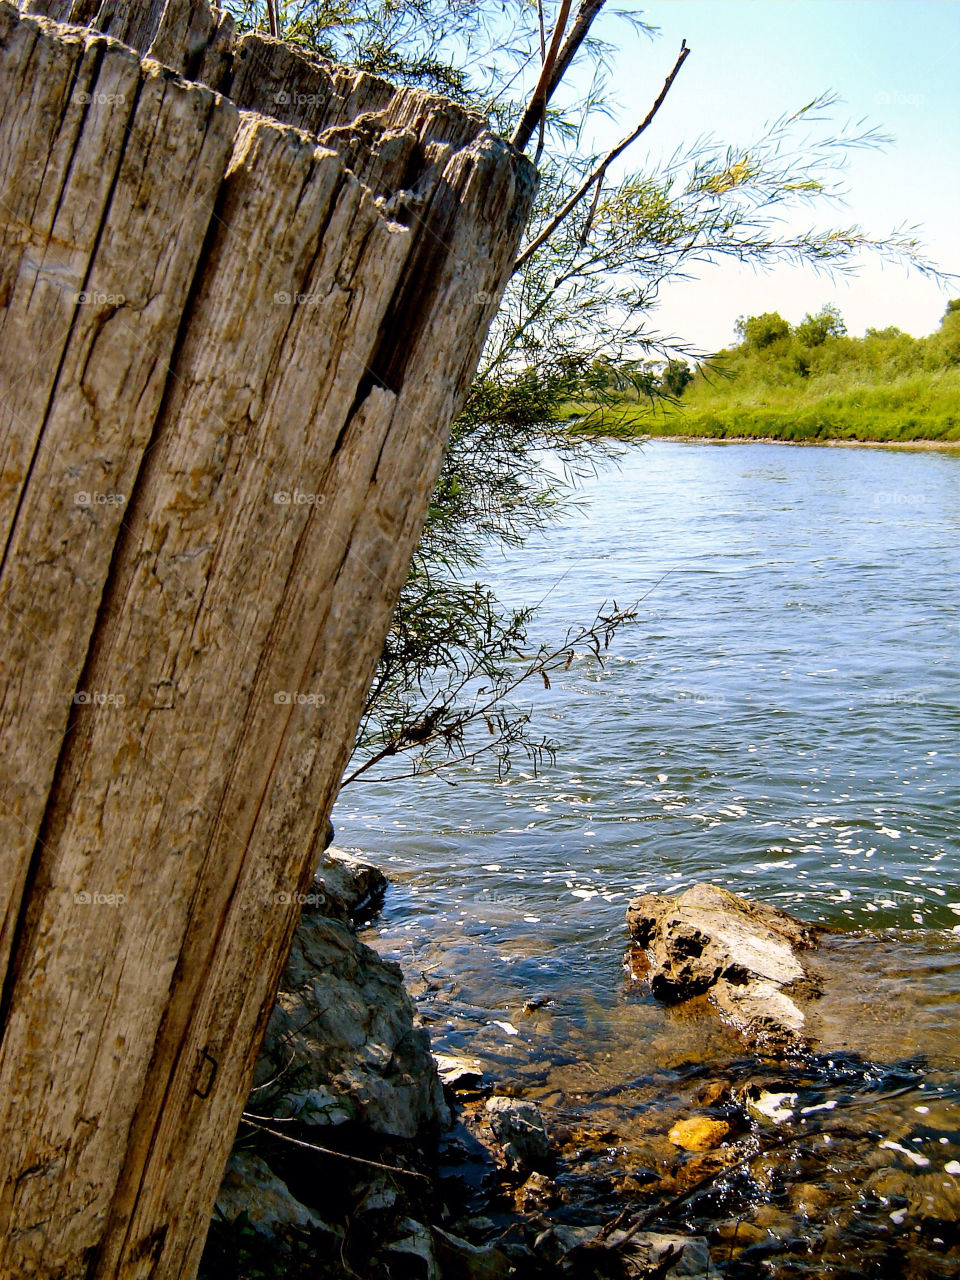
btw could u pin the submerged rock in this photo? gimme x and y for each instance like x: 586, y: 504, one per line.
x: 538, y: 1192
x: 768, y: 1106
x: 745, y: 956
x: 519, y: 1128
x: 659, y: 1253
x: 700, y: 1133
x: 591, y: 1251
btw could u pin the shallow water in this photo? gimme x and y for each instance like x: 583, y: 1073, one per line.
x: 782, y: 720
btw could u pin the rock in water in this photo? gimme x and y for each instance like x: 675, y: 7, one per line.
x: 746, y: 956
x: 459, y: 1074
x: 518, y: 1127
x: 345, y: 887
x: 699, y: 1133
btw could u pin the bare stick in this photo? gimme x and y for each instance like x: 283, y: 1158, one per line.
x: 541, y: 94
x: 340, y: 1155
x: 272, y: 18
x: 578, y: 33
x: 543, y: 57
x: 597, y: 174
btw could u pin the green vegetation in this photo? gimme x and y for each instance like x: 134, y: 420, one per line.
x: 804, y: 382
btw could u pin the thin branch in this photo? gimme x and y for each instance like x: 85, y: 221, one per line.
x: 339, y: 1155
x: 272, y: 18
x: 597, y: 174
x: 578, y: 33
x: 449, y: 723
x: 541, y: 94
x: 543, y: 57
x: 592, y: 214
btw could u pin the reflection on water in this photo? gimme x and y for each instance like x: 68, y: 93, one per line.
x: 783, y: 720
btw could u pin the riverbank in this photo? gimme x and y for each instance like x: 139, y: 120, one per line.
x: 907, y: 446
x: 919, y: 411
x: 676, y: 1139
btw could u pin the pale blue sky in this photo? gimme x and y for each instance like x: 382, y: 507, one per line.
x: 894, y: 62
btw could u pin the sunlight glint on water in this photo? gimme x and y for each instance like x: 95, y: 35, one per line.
x: 782, y: 720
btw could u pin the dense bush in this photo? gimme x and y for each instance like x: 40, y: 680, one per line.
x: 813, y: 381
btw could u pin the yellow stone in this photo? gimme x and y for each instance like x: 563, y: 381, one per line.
x: 699, y: 1133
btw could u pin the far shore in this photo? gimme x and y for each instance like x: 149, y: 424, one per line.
x: 800, y: 444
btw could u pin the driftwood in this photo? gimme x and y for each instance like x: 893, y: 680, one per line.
x: 230, y: 351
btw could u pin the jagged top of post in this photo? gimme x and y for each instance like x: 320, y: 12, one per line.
x: 199, y: 40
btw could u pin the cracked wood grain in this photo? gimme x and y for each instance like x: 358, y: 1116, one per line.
x: 302, y: 312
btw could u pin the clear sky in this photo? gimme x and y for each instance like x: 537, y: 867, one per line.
x: 894, y: 62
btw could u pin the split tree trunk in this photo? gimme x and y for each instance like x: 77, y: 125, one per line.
x: 230, y: 351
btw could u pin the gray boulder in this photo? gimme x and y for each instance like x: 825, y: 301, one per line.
x: 680, y: 1256
x: 747, y: 957
x: 341, y: 1044
x: 519, y: 1129
x: 345, y: 887
x: 251, y: 1188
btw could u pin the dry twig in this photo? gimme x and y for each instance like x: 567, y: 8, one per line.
x: 597, y: 174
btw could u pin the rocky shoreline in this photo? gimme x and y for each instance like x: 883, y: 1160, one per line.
x: 363, y: 1152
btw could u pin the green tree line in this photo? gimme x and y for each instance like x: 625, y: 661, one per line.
x: 808, y: 381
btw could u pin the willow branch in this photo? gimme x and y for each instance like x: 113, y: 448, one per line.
x: 542, y: 136
x: 541, y: 94
x: 578, y: 33
x: 597, y: 174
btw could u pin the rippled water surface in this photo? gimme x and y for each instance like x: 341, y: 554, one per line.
x: 782, y: 720
x: 784, y: 717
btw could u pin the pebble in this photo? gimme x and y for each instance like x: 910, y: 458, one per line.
x: 699, y: 1133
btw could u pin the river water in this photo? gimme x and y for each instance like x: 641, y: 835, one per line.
x: 783, y: 719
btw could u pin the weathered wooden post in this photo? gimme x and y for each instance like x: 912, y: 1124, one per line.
x: 230, y: 350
